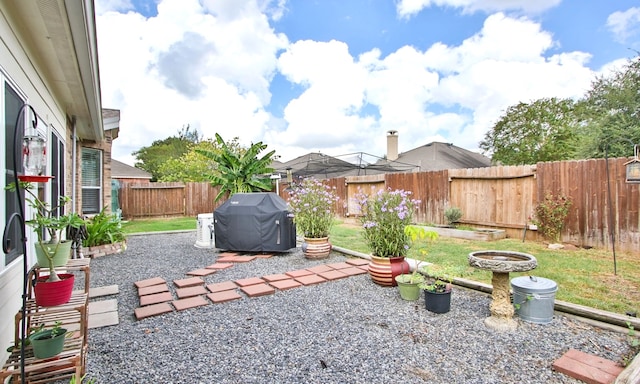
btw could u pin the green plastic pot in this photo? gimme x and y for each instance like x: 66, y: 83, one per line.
x: 45, y: 346
x: 408, y: 285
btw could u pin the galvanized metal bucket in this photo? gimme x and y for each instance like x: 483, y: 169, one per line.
x: 534, y: 298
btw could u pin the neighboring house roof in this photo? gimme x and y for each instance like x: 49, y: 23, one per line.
x: 111, y: 121
x: 438, y: 156
x: 120, y: 170
x: 323, y: 166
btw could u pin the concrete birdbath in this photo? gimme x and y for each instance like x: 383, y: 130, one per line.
x: 500, y: 263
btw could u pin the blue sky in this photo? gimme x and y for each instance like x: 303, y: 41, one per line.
x: 333, y: 76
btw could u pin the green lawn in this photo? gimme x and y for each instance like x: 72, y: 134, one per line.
x: 157, y: 225
x: 583, y: 276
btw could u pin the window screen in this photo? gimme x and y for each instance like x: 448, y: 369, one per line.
x: 91, y: 181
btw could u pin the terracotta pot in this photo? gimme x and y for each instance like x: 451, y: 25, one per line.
x: 316, y: 248
x: 51, y: 293
x: 383, y: 270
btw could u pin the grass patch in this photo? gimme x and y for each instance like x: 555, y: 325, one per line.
x: 159, y: 224
x: 583, y: 276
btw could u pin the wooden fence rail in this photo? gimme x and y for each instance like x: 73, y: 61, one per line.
x: 497, y: 197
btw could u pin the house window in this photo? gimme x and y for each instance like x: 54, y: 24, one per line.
x: 12, y: 104
x: 91, y: 181
x: 56, y: 149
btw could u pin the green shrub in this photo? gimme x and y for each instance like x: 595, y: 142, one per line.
x: 102, y: 229
x: 452, y: 215
x: 550, y: 215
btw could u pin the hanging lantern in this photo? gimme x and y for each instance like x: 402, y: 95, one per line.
x: 633, y: 168
x: 34, y: 155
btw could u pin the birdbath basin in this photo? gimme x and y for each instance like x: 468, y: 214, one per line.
x: 500, y: 263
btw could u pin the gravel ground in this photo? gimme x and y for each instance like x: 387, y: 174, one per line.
x: 345, y: 331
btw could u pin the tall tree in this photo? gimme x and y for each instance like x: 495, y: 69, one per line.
x: 151, y: 158
x: 612, y: 110
x: 544, y: 130
x: 239, y: 172
x: 193, y: 166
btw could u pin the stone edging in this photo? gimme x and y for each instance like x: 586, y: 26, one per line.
x: 105, y: 249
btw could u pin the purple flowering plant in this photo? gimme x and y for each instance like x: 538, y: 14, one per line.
x: 384, y: 216
x: 312, y: 203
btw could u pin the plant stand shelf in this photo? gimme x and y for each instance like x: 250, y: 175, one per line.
x: 72, y: 315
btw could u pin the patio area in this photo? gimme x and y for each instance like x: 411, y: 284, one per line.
x: 342, y: 330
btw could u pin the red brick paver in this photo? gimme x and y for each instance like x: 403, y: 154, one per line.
x: 299, y: 273
x: 189, y: 282
x: 258, y: 290
x: 190, y: 291
x: 341, y: 265
x: 191, y: 302
x: 201, y: 272
x: 588, y: 368
x: 276, y: 277
x: 249, y: 281
x: 228, y: 253
x: 243, y: 259
x: 310, y: 279
x: 153, y: 289
x: 148, y: 282
x: 353, y: 271
x: 333, y: 275
x: 357, y: 262
x: 155, y: 298
x: 223, y: 296
x: 152, y: 310
x: 264, y: 255
x: 285, y: 284
x: 320, y: 268
x: 224, y: 286
x: 226, y: 259
x: 220, y: 266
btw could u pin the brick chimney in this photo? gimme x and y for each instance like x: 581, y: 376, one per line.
x: 392, y: 145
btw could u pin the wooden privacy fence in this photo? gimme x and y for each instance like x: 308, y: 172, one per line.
x: 167, y: 199
x: 495, y: 197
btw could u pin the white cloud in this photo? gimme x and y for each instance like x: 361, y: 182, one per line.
x: 181, y: 67
x: 408, y: 8
x: 455, y: 93
x: 625, y: 25
x: 210, y: 64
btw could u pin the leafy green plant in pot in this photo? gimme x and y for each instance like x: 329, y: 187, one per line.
x: 409, y: 283
x: 384, y: 216
x: 49, y: 226
x: 102, y: 229
x: 312, y: 203
x: 47, y: 343
x: 438, y: 289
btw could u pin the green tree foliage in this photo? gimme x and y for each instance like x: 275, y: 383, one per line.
x: 193, y: 166
x: 239, y: 172
x: 544, y: 130
x: 612, y: 110
x: 151, y: 158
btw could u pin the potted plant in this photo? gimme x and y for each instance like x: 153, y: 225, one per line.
x: 51, y: 251
x: 409, y: 283
x: 437, y: 291
x: 312, y: 204
x: 103, y: 234
x: 384, y: 216
x: 47, y: 343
